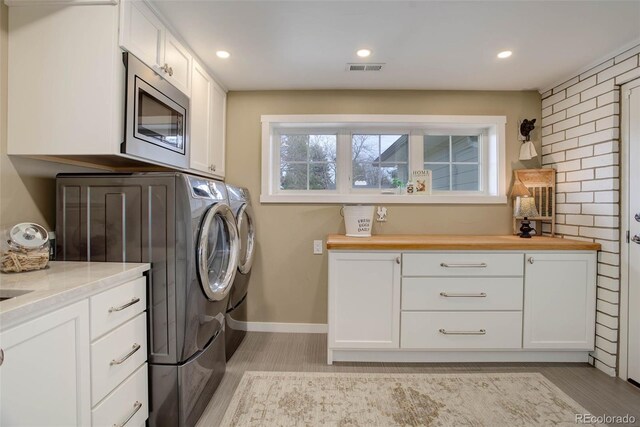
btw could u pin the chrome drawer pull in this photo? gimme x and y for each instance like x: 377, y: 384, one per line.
x: 122, y: 307
x: 136, y: 408
x: 135, y: 347
x: 481, y: 265
x: 448, y: 295
x: 480, y: 332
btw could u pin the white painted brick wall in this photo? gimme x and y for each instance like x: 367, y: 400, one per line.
x: 580, y: 139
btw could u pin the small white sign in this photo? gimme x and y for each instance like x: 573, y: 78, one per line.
x: 421, y: 182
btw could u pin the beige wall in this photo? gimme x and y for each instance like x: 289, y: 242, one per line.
x: 289, y: 283
x: 27, y: 186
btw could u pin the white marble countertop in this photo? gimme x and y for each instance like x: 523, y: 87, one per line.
x: 60, y: 284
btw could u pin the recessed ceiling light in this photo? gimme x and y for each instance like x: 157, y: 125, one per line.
x: 505, y: 54
x: 363, y: 53
x: 223, y: 54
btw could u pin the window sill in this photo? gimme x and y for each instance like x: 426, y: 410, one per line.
x: 387, y: 199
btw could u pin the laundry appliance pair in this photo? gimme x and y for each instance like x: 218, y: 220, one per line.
x: 198, y: 237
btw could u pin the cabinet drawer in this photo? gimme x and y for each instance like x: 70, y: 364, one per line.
x: 462, y: 293
x: 468, y: 330
x: 116, y: 355
x: 457, y: 264
x: 129, y: 400
x: 112, y: 308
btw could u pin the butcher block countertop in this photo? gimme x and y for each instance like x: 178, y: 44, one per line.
x: 451, y: 242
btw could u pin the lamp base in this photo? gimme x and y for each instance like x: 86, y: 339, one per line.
x: 525, y: 229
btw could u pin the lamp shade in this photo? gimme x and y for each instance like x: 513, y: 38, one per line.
x: 526, y: 207
x: 519, y: 189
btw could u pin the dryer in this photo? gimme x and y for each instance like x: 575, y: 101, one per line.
x: 236, y: 316
x: 184, y: 227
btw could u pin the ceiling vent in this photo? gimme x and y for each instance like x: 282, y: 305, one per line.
x: 364, y: 67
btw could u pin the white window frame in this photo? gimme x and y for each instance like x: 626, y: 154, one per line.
x: 491, y: 129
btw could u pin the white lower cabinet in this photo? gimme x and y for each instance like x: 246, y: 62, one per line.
x: 456, y: 330
x: 489, y: 305
x: 56, y: 372
x: 560, y: 301
x: 128, y: 404
x: 115, y: 356
x: 44, y: 377
x: 364, y: 295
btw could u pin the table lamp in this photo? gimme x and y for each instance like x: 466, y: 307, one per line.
x: 525, y: 207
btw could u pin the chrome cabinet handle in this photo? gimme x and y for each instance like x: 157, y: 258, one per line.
x: 480, y: 332
x: 135, y: 348
x: 122, y: 307
x: 1, y: 356
x: 446, y: 265
x: 136, y: 408
x: 637, y: 217
x: 398, y: 260
x: 531, y: 260
x: 171, y: 71
x: 213, y: 168
x: 454, y: 295
x: 636, y: 239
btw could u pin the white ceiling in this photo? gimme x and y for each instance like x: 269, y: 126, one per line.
x: 424, y: 44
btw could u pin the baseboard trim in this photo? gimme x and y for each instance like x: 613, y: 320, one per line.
x: 455, y: 356
x: 296, y: 328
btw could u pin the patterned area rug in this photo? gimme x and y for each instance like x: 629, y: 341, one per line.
x: 346, y: 399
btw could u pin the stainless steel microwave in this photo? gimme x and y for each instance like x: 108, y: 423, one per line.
x: 156, y: 120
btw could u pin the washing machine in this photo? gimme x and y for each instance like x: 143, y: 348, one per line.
x: 236, y: 316
x: 184, y: 226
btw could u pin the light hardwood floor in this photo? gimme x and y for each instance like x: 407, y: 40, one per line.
x: 593, y: 389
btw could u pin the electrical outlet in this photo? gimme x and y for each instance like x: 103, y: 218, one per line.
x: 317, y: 247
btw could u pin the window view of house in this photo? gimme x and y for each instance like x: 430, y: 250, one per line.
x: 454, y: 160
x: 378, y: 160
x: 308, y: 162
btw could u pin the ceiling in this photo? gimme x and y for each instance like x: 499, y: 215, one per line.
x: 424, y: 44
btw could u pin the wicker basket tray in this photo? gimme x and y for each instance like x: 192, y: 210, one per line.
x: 17, y: 260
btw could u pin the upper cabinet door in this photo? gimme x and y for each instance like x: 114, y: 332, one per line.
x: 559, y: 301
x: 142, y: 33
x: 201, y: 106
x: 177, y: 64
x: 218, y: 129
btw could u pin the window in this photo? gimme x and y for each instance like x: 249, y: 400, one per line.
x: 454, y: 161
x: 365, y: 158
x: 307, y: 162
x: 379, y: 160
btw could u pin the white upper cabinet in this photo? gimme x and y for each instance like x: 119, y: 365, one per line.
x: 78, y: 109
x: 559, y: 301
x: 208, y: 106
x: 177, y: 63
x: 142, y: 33
x: 219, y: 111
x: 78, y: 116
x: 201, y: 114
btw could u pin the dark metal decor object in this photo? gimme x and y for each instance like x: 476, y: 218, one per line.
x: 526, y: 127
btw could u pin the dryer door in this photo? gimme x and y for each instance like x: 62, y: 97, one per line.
x: 247, y: 231
x: 217, y: 252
